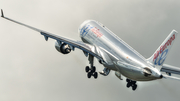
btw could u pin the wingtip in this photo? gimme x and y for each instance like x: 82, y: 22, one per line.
x: 2, y: 14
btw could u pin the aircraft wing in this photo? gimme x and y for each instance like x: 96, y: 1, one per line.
x: 87, y: 48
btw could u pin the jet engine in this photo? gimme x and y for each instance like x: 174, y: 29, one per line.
x: 63, y: 48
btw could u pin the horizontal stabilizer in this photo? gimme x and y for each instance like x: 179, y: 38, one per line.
x: 170, y: 69
x: 171, y: 77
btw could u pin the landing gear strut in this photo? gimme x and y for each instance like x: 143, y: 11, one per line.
x: 91, y: 71
x: 131, y: 83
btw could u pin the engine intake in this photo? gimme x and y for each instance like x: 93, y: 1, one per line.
x: 63, y: 48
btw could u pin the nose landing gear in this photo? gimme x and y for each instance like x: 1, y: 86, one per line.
x: 132, y: 84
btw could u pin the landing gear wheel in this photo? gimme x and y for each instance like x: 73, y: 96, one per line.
x: 133, y: 82
x: 87, y: 69
x: 128, y: 85
x: 89, y: 75
x: 134, y: 87
x: 127, y: 80
x: 93, y: 69
x: 95, y: 75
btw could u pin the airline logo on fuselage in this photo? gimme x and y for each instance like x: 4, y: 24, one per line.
x: 87, y: 28
x: 97, y: 32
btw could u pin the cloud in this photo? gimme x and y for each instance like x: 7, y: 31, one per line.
x: 31, y: 68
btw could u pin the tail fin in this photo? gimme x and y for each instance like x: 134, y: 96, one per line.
x: 159, y: 56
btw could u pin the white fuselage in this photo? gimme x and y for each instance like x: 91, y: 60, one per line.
x: 119, y: 55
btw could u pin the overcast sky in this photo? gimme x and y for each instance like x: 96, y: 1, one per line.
x: 32, y: 70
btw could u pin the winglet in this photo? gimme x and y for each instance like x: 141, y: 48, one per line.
x: 2, y: 14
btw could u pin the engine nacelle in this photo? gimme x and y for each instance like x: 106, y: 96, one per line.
x: 63, y: 48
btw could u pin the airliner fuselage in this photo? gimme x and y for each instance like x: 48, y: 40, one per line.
x: 120, y: 56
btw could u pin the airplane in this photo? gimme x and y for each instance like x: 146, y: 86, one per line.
x: 114, y: 54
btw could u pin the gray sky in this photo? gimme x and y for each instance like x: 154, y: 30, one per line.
x: 32, y: 70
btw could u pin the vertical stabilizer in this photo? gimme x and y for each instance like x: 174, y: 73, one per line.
x: 159, y: 56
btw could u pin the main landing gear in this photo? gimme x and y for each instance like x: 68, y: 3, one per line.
x: 91, y: 71
x: 131, y: 83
